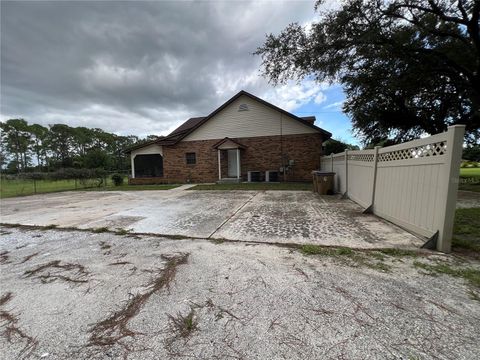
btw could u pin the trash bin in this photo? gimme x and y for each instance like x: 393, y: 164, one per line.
x: 323, y: 182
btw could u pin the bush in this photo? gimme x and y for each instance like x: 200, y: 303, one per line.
x: 117, y: 179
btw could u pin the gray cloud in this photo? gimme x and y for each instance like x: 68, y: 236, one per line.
x: 135, y: 67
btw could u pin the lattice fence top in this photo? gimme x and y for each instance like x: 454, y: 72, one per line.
x: 339, y: 158
x: 361, y: 157
x: 434, y: 149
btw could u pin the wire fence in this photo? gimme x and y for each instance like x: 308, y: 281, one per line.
x: 11, y: 186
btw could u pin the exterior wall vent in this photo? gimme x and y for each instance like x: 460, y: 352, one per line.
x: 243, y: 107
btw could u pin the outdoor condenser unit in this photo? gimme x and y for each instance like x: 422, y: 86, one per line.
x: 254, y: 176
x: 271, y: 176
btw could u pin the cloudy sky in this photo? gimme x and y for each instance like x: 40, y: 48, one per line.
x: 145, y: 67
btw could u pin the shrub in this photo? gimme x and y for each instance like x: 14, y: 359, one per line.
x: 117, y: 179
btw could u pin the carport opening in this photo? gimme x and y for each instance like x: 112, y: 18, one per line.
x: 148, y: 165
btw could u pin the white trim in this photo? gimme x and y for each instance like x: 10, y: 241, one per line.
x: 238, y: 163
x: 219, y: 165
x: 132, y: 164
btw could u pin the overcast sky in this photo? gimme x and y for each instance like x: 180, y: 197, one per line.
x: 145, y: 67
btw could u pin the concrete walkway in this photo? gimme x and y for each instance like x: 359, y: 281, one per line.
x: 260, y: 216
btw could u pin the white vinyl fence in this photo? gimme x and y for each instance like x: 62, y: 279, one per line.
x: 413, y: 184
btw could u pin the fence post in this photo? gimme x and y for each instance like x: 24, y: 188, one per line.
x: 374, y: 180
x: 34, y: 186
x: 331, y: 162
x: 449, y: 186
x: 345, y: 194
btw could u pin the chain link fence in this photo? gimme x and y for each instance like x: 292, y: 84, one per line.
x: 38, y: 183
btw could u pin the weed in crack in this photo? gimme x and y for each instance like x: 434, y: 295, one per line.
x: 121, y: 231
x: 12, y: 329
x: 100, y: 230
x: 43, y: 272
x: 114, y: 329
x: 183, y: 325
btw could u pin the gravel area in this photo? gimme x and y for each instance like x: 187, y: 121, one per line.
x: 82, y: 295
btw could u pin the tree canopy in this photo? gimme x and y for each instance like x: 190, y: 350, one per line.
x: 408, y: 67
x: 28, y: 147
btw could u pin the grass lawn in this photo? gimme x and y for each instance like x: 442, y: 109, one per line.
x: 469, y: 179
x: 467, y: 172
x: 256, y: 186
x: 11, y: 188
x: 466, y: 231
x: 127, y: 187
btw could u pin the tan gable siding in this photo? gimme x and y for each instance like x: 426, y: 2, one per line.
x: 150, y: 149
x: 259, y: 120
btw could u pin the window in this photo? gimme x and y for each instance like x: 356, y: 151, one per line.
x: 191, y: 158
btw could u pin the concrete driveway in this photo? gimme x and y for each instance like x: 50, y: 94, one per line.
x: 259, y: 216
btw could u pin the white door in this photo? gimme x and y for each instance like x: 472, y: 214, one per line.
x: 232, y: 163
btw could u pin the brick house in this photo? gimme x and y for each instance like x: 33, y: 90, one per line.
x: 245, y: 139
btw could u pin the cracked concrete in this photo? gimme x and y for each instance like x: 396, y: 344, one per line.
x: 261, y: 216
x: 230, y: 300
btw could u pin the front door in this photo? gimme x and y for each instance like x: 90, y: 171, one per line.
x: 232, y: 163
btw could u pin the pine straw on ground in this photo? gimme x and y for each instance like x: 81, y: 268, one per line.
x: 114, y: 329
x: 12, y: 329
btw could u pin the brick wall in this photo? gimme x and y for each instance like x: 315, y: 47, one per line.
x: 261, y: 154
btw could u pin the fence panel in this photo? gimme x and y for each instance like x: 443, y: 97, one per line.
x: 360, y: 174
x: 339, y: 168
x: 413, y: 184
x: 407, y: 187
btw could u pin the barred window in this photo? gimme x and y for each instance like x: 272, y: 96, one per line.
x: 191, y: 158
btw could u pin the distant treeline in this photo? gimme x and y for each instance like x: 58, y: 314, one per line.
x: 36, y: 148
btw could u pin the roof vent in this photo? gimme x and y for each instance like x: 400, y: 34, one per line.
x: 243, y: 107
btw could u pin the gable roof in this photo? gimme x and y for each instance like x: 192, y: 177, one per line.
x: 187, y: 125
x: 325, y: 133
x: 192, y: 124
x: 227, y: 139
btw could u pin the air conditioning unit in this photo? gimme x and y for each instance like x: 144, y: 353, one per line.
x: 254, y: 176
x: 271, y: 176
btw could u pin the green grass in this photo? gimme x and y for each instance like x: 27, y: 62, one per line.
x: 256, y: 186
x: 470, y: 172
x: 469, y: 179
x: 347, y: 256
x: 466, y: 231
x: 135, y: 187
x: 471, y: 275
x: 11, y: 188
x: 325, y: 251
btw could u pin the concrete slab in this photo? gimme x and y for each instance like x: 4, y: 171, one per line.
x: 303, y: 218
x: 79, y: 295
x: 261, y: 216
